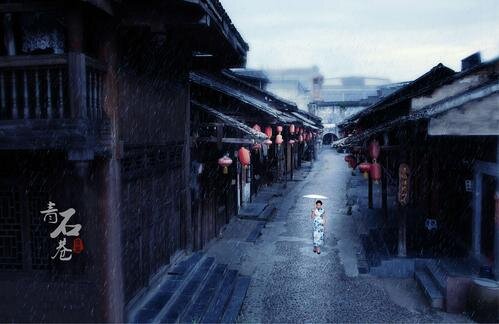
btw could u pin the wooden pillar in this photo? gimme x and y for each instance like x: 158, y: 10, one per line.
x: 402, y: 219
x: 496, y: 218
x: 384, y: 179
x: 112, y: 287
x: 77, y: 85
x: 369, y: 193
x: 402, y: 246
x: 76, y: 64
x: 75, y: 28
x: 476, y: 226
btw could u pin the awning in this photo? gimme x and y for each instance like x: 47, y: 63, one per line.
x: 230, y: 121
x: 234, y: 92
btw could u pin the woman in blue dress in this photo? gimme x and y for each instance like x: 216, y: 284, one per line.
x: 319, y: 217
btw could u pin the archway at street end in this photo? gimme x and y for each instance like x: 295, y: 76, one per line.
x: 329, y: 138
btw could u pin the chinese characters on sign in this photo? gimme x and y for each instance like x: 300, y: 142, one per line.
x: 403, y: 194
x: 52, y: 216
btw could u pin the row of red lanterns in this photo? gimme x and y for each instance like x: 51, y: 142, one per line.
x: 368, y: 169
x: 244, y: 154
x: 303, y: 136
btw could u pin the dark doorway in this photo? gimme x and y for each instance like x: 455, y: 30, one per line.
x: 329, y: 138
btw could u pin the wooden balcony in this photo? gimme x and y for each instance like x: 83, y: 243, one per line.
x: 52, y: 102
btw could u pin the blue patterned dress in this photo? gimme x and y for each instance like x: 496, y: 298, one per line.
x: 318, y: 227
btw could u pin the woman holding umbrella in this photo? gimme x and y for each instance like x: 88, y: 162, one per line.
x: 319, y: 217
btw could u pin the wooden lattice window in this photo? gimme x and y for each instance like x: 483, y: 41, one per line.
x: 21, y: 225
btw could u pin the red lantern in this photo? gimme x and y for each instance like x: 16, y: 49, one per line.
x: 291, y: 129
x: 268, y: 131
x: 352, y: 162
x: 278, y: 139
x: 257, y: 128
x: 364, y: 167
x: 374, y: 150
x: 225, y: 162
x: 267, y: 142
x: 279, y: 129
x: 77, y: 245
x: 244, y: 156
x: 375, y: 172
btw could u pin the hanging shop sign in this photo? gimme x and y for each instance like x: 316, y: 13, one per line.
x: 404, y: 178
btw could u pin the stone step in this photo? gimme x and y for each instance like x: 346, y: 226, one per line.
x: 162, y: 294
x: 256, y: 232
x: 267, y: 213
x: 171, y: 312
x: 218, y: 304
x: 199, y: 306
x: 430, y: 289
x: 438, y: 275
x: 183, y: 267
x: 236, y: 301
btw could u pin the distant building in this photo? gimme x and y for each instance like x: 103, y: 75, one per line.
x: 346, y: 96
x: 352, y: 88
x: 300, y: 85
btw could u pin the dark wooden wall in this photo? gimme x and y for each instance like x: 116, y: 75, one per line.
x: 153, y: 109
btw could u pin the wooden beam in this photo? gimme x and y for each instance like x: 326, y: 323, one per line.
x: 227, y: 140
x: 29, y: 6
x: 32, y: 60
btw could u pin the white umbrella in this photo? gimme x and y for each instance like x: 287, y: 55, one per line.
x: 315, y: 196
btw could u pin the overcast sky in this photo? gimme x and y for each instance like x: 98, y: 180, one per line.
x: 398, y: 39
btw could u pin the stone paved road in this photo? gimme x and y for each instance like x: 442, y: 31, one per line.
x: 290, y: 283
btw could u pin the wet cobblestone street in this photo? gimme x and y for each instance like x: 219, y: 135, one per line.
x: 290, y: 283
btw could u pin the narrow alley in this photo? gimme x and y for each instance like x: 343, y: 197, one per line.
x: 290, y: 283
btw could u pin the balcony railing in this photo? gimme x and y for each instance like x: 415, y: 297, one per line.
x: 50, y: 87
x: 53, y: 102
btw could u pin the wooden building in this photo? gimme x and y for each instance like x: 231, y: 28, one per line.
x: 95, y: 116
x: 225, y: 110
x: 444, y: 128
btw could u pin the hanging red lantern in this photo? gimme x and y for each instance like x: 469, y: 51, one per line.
x: 291, y: 129
x: 77, y: 245
x: 267, y: 142
x: 364, y: 167
x: 374, y: 150
x: 279, y: 129
x: 225, y: 162
x: 375, y: 172
x: 278, y: 139
x: 351, y: 160
x: 244, y: 156
x: 257, y: 128
x: 268, y: 131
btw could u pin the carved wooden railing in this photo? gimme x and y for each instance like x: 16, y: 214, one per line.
x: 51, y: 87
